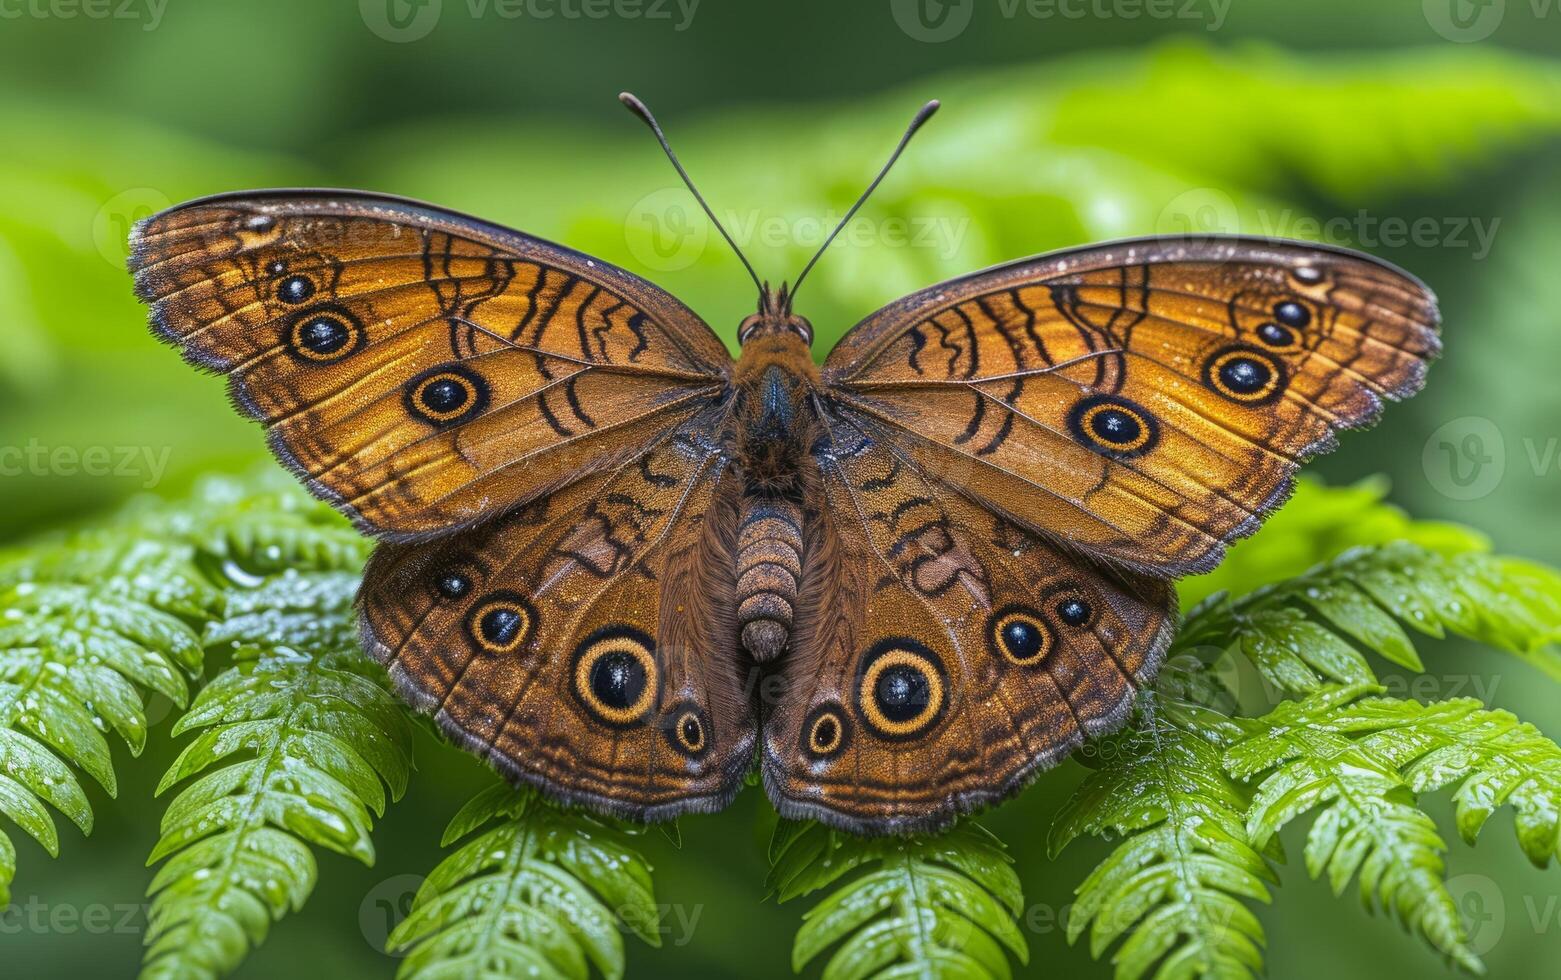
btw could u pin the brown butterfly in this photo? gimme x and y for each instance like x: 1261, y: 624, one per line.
x: 617, y: 563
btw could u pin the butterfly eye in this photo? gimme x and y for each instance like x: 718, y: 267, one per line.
x: 501, y: 622
x: 1020, y: 635
x: 902, y: 692
x: 824, y: 733
x: 615, y: 675
x: 1244, y: 375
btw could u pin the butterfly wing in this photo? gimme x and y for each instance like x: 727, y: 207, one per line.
x: 941, y: 654
x: 1147, y: 401
x: 419, y: 368
x: 586, y: 643
x: 1015, y: 465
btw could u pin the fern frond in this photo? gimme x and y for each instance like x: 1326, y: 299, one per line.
x: 90, y: 624
x: 305, y: 736
x: 1494, y: 758
x: 541, y: 894
x: 1299, y: 633
x: 1368, y: 824
x: 1173, y: 890
x: 941, y: 906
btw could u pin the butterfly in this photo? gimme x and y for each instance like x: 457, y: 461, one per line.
x: 628, y: 569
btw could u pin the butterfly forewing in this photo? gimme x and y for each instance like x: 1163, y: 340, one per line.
x: 418, y: 368
x: 1146, y: 401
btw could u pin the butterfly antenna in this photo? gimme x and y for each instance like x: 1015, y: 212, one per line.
x: 922, y: 115
x: 643, y: 111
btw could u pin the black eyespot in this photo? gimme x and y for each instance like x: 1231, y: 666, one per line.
x: 902, y: 691
x: 276, y: 267
x: 1113, y: 426
x: 259, y: 222
x: 452, y: 585
x: 324, y: 334
x: 295, y: 289
x: 615, y: 676
x: 1292, y: 314
x: 1274, y: 335
x: 446, y: 395
x: 501, y: 622
x: 1244, y: 375
x: 688, y: 733
x: 825, y: 732
x: 1074, y: 611
x: 1019, y: 635
x: 1307, y: 274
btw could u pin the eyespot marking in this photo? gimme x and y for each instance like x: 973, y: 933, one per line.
x: 689, y: 731
x: 824, y: 732
x: 903, y: 689
x: 446, y: 395
x: 501, y: 622
x: 1019, y: 635
x: 615, y: 675
x: 1113, y: 426
x: 1074, y: 611
x: 1244, y: 374
x: 324, y: 334
x: 295, y: 289
x: 1292, y: 314
x: 452, y: 584
x: 1275, y: 335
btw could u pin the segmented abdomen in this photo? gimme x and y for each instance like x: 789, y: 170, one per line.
x: 769, y: 566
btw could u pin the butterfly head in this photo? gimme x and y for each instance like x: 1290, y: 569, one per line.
x: 774, y: 318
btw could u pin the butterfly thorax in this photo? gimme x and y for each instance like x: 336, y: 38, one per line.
x: 775, y: 380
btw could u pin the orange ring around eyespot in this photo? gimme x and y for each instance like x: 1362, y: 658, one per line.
x: 1211, y: 375
x: 1144, y: 429
x: 501, y: 602
x: 1030, y: 618
x: 822, y: 747
x: 604, y: 644
x: 454, y: 413
x: 901, y: 656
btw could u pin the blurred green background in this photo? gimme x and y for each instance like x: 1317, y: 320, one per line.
x: 1428, y: 133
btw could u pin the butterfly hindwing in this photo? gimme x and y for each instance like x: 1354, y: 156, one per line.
x: 1147, y: 401
x: 942, y: 655
x: 587, y: 642
x: 418, y: 368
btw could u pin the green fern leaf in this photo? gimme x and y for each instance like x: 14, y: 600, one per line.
x: 1302, y: 634
x: 941, y: 906
x: 1172, y: 892
x: 1494, y: 758
x: 297, y: 742
x: 90, y: 624
x: 541, y: 894
x: 1368, y: 824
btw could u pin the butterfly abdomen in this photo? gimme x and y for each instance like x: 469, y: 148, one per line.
x: 769, y: 567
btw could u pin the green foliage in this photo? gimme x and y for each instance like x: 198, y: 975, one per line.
x: 941, y: 906
x: 1173, y: 888
x: 302, y: 730
x: 542, y: 894
x: 1193, y: 843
